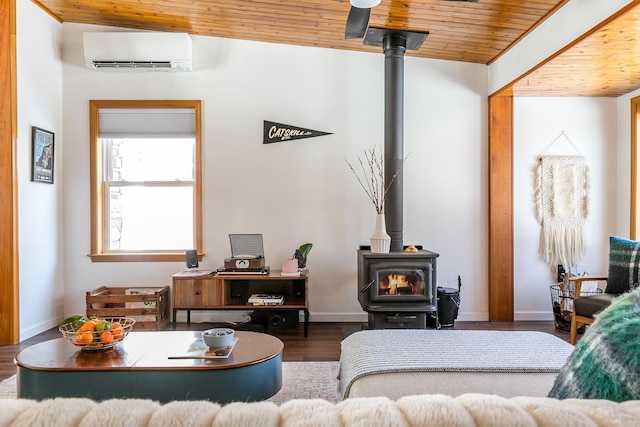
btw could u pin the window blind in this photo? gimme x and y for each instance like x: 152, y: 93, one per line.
x: 146, y: 122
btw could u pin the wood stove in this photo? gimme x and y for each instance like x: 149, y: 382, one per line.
x: 398, y: 289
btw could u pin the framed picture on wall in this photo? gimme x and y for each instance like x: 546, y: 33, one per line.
x: 42, y: 155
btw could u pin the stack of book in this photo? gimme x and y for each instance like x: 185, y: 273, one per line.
x: 266, y: 299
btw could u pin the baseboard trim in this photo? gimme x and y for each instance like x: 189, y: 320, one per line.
x: 534, y: 315
x: 40, y: 328
x: 339, y: 317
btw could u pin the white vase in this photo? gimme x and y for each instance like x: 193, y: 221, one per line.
x: 380, y: 240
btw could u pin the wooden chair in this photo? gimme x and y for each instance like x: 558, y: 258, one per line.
x: 585, y: 307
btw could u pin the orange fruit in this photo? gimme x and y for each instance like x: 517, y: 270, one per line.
x: 89, y: 325
x: 79, y: 339
x: 117, y: 331
x: 84, y: 338
x: 106, y: 338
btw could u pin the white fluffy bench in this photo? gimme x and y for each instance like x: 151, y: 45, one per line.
x: 395, y: 363
x: 424, y: 411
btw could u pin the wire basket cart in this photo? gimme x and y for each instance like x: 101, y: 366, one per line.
x: 562, y: 302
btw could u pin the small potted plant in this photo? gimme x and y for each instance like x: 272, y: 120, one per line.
x: 301, y: 254
x: 297, y: 261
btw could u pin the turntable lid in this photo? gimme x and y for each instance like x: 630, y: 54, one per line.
x: 246, y: 246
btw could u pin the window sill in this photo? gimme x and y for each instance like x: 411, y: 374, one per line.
x: 140, y: 257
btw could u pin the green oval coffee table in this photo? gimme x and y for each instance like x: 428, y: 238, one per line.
x: 140, y: 367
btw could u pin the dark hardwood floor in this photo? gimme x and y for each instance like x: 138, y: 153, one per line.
x: 322, y: 343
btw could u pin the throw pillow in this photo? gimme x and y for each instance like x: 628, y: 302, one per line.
x: 624, y: 262
x: 605, y: 364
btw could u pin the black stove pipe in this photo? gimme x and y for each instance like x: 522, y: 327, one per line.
x: 394, y: 47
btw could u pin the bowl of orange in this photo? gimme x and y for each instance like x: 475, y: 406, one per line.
x: 96, y: 333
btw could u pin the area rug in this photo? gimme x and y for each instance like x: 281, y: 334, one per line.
x: 300, y: 380
x: 8, y: 388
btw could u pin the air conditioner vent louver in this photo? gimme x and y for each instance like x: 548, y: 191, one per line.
x: 139, y: 51
x: 132, y: 64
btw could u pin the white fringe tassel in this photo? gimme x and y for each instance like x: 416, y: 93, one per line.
x: 563, y: 244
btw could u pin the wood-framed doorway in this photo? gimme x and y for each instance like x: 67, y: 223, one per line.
x: 9, y: 303
x: 500, y: 165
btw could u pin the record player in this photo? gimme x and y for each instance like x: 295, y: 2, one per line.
x: 243, y: 262
x: 247, y: 252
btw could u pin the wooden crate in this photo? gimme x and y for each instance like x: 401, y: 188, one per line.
x: 149, y: 306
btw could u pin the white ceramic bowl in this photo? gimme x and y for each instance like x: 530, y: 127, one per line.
x: 218, y: 337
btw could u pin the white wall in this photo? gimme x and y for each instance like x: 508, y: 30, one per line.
x: 299, y: 191
x: 40, y: 234
x: 589, y: 125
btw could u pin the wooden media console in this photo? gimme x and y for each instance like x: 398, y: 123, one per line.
x: 193, y: 290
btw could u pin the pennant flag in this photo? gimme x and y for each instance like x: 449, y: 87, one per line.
x: 278, y: 132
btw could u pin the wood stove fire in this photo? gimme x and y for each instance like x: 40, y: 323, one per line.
x: 398, y: 289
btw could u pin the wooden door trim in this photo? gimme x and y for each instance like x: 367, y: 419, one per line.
x: 633, y: 214
x: 9, y: 303
x: 500, y: 165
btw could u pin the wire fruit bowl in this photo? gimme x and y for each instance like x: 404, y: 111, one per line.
x: 79, y: 337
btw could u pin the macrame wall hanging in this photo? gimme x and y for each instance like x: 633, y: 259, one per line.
x: 562, y: 193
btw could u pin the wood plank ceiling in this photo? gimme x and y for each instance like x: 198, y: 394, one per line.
x: 477, y: 32
x: 603, y: 63
x: 459, y: 31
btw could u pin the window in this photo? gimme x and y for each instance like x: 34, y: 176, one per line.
x: 145, y: 180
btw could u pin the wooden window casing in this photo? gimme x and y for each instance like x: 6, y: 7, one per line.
x: 99, y: 216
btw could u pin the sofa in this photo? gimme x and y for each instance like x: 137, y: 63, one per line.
x: 420, y: 410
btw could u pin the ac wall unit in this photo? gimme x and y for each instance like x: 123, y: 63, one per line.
x: 138, y: 51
